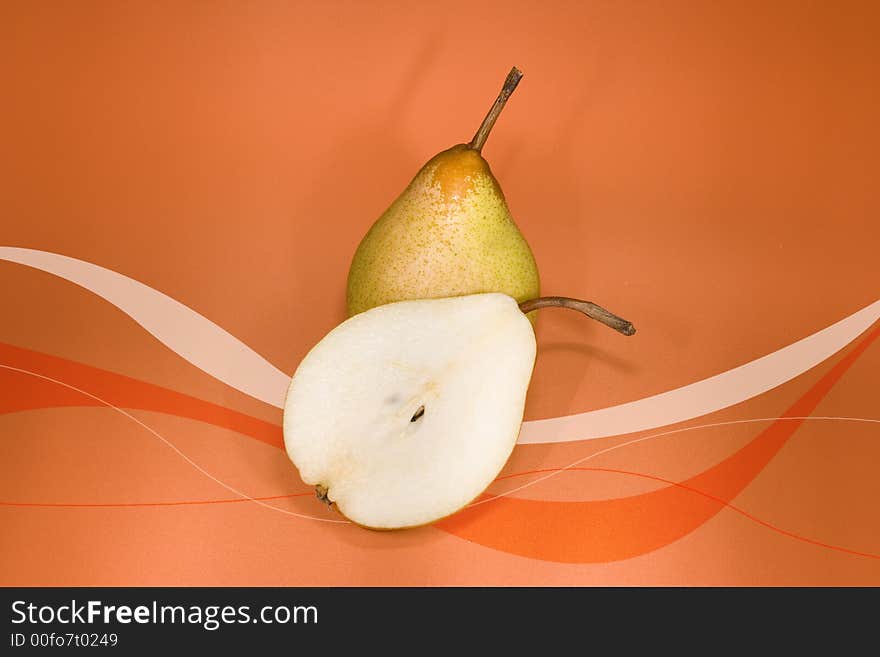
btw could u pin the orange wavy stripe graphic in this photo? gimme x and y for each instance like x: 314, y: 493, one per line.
x: 575, y: 532
x: 23, y: 392
x: 616, y: 529
x: 694, y: 491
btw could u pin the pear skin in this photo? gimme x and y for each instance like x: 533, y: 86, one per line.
x: 449, y: 233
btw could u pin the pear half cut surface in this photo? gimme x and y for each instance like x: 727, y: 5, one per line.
x: 405, y: 413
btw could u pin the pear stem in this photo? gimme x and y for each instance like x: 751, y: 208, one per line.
x: 482, y: 135
x: 321, y: 494
x: 588, y: 308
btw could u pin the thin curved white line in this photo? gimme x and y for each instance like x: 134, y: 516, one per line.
x: 173, y: 447
x: 212, y: 349
x: 490, y: 499
x: 660, y: 435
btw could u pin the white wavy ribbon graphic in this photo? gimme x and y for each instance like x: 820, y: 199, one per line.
x: 220, y: 354
x: 706, y: 396
x: 180, y: 328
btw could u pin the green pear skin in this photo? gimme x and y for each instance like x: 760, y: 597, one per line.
x: 449, y: 233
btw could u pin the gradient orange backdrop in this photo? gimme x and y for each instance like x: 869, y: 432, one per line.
x: 707, y: 169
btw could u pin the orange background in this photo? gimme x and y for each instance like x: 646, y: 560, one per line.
x: 708, y: 170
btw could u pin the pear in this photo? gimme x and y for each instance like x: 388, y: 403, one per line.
x: 404, y: 413
x: 450, y: 233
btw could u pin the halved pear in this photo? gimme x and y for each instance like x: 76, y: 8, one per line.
x: 405, y: 413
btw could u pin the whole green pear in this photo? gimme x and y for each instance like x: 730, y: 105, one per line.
x: 450, y: 233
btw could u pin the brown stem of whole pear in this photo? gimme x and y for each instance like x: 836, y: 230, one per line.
x: 482, y: 135
x: 588, y: 308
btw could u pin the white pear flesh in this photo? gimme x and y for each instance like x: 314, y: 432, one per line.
x: 405, y: 413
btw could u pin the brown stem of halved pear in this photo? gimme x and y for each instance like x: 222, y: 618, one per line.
x: 588, y: 308
x: 482, y: 135
x: 321, y: 494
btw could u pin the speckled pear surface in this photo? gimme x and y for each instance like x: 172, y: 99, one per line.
x: 449, y: 233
